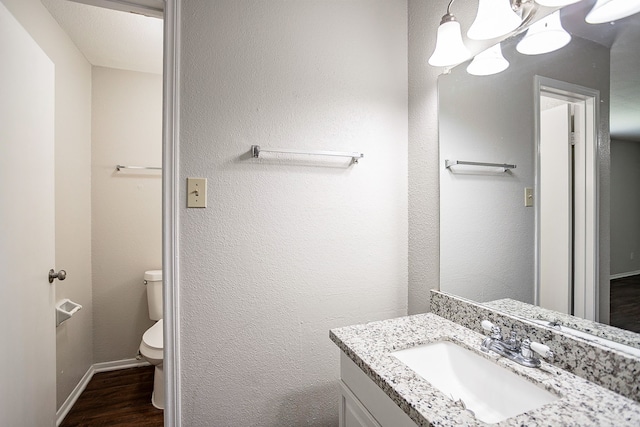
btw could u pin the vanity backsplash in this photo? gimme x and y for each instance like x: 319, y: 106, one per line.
x: 607, y: 367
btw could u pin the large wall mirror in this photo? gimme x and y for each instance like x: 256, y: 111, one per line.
x: 561, y: 228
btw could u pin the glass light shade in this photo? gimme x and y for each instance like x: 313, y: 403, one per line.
x: 495, y: 18
x: 488, y: 62
x: 450, y: 50
x: 544, y: 36
x: 554, y: 3
x: 612, y: 10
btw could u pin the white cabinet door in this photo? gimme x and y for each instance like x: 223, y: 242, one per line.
x: 352, y: 412
x: 364, y: 403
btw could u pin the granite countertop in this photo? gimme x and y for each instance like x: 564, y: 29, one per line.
x: 582, y: 402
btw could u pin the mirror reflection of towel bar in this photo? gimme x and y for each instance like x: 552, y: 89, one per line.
x: 505, y: 166
x: 120, y: 167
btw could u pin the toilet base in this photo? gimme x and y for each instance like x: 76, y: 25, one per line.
x: 157, y: 398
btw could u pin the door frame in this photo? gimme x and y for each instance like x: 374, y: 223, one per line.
x: 170, y: 211
x: 588, y: 297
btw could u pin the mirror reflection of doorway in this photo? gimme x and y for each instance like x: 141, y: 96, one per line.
x: 566, y: 191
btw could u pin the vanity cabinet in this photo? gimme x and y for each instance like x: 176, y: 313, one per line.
x: 363, y: 403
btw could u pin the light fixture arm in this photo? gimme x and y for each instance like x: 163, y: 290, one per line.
x: 449, y: 16
x: 449, y: 7
x: 516, y: 5
x: 526, y: 9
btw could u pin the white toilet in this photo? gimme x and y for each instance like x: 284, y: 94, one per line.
x: 151, y: 346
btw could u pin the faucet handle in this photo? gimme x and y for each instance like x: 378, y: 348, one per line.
x: 543, y: 350
x: 487, y: 326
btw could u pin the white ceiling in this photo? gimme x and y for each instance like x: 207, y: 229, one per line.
x: 110, y: 38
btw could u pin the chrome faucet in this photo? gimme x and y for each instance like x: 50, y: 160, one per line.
x: 522, y: 352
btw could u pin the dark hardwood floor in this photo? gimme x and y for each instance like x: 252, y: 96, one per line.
x: 625, y: 303
x: 117, y: 398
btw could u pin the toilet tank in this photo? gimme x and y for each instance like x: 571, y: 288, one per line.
x: 153, y: 280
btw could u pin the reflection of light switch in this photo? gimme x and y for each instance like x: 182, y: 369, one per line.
x: 528, y: 197
x: 196, y: 192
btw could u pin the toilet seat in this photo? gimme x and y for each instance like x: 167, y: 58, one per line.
x: 151, y: 346
x: 153, y: 336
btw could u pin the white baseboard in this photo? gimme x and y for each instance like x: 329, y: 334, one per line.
x: 84, y: 381
x: 73, y: 397
x: 627, y: 274
x: 119, y: 364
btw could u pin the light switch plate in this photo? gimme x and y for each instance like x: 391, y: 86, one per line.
x: 528, y: 197
x: 196, y: 192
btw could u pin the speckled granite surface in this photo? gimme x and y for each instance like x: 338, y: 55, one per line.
x: 528, y: 311
x: 582, y: 403
x: 604, y: 366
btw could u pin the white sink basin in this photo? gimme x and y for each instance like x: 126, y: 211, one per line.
x: 491, y: 392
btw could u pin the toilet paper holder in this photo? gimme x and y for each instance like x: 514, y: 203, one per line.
x: 65, y: 309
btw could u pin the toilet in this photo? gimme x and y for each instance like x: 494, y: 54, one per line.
x: 151, y: 347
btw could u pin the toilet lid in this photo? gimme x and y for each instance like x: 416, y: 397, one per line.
x: 153, y: 336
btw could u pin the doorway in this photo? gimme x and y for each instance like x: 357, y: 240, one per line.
x: 124, y: 53
x: 567, y: 198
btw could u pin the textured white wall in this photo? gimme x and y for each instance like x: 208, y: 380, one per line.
x: 127, y: 233
x: 289, y: 246
x: 487, y: 235
x: 72, y: 187
x: 625, y: 206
